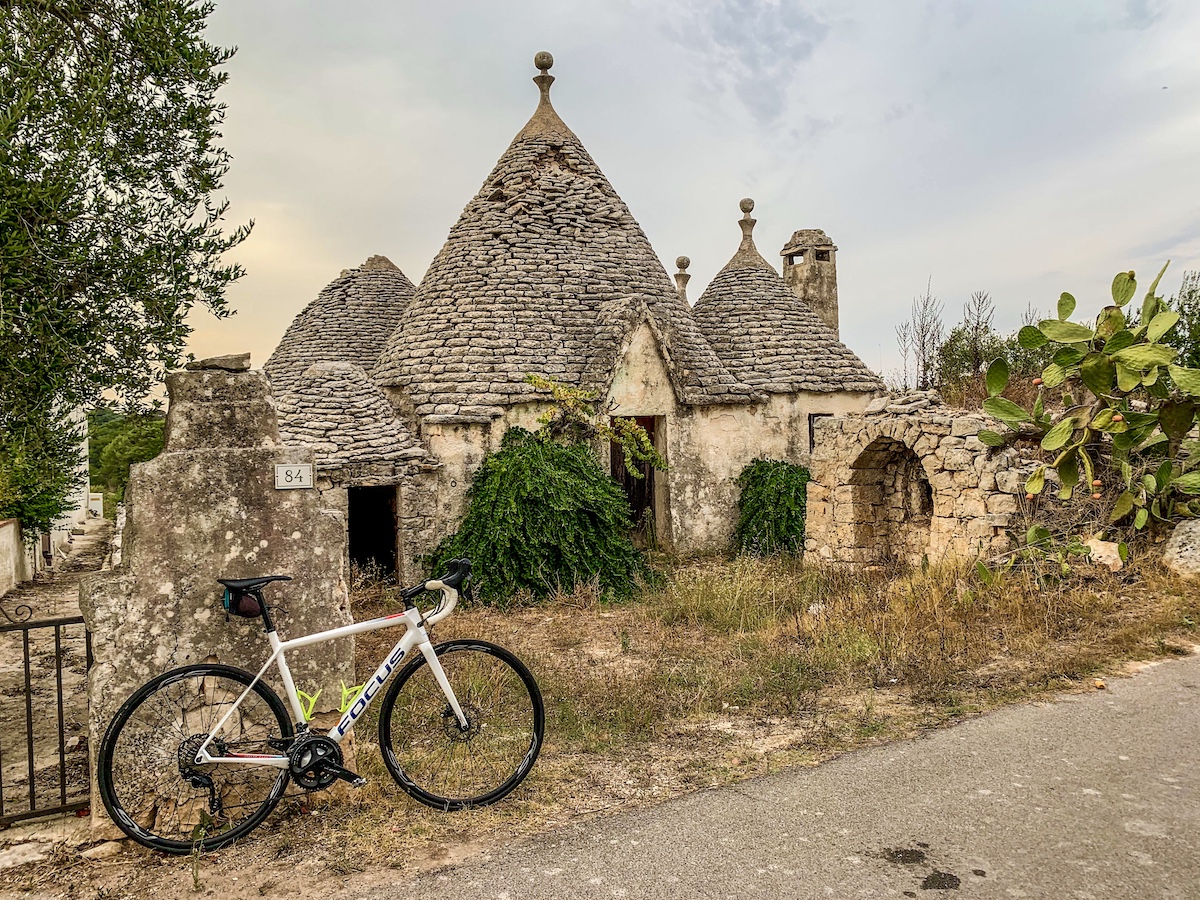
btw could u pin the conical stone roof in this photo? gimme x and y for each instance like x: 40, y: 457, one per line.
x: 336, y: 409
x: 767, y: 336
x: 543, y: 269
x: 348, y: 322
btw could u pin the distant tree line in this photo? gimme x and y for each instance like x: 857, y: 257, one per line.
x: 954, y: 362
x: 115, y: 442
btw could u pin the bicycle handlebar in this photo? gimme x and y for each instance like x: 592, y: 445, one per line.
x: 459, y: 571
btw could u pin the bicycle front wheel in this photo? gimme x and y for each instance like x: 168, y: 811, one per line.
x: 147, y: 775
x: 438, y: 761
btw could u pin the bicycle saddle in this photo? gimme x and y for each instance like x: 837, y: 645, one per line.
x: 251, y: 584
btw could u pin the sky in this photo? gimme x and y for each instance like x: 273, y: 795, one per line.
x: 1021, y: 148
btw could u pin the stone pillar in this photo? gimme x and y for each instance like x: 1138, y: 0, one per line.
x: 206, y: 508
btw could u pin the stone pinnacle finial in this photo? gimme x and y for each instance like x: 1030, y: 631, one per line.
x: 544, y: 79
x: 682, y: 277
x: 545, y: 121
x: 747, y: 225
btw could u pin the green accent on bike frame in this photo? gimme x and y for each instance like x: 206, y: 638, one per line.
x: 349, y: 695
x: 307, y: 702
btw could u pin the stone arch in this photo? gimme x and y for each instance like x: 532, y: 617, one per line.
x: 891, y: 501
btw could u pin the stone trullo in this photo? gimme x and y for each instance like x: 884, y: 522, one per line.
x: 401, y: 391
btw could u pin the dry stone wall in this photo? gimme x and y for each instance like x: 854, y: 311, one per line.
x: 910, y: 480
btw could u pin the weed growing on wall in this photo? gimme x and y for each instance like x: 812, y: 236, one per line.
x: 772, y: 505
x: 575, y: 419
x: 543, y: 516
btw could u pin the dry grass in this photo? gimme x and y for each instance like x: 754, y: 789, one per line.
x: 731, y: 668
x: 723, y: 670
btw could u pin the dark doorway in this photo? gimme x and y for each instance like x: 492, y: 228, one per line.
x: 373, y: 528
x: 639, y: 491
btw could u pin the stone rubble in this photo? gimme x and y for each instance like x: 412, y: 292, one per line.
x: 233, y: 362
x: 1181, y: 554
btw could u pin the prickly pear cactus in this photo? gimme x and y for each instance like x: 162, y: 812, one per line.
x: 1127, y: 408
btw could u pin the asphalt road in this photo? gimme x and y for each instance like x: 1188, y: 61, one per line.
x: 1092, y: 796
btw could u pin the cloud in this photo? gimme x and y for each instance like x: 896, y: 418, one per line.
x: 1141, y: 14
x: 1024, y: 148
x: 750, y: 49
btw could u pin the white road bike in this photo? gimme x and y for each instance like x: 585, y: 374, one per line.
x: 198, y: 757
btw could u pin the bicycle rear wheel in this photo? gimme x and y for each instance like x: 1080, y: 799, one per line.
x: 149, y: 782
x: 446, y: 766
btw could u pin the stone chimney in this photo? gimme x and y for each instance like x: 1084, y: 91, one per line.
x: 810, y: 269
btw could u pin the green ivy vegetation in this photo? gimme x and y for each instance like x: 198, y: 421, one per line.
x: 772, y: 505
x: 543, y: 516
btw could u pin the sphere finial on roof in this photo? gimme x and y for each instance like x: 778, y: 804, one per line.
x: 682, y: 277
x: 543, y: 80
x: 747, y: 225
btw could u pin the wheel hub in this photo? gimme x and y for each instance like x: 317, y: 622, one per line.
x: 457, y: 732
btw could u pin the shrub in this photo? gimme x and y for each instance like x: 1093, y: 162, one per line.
x: 543, y: 517
x: 772, y: 504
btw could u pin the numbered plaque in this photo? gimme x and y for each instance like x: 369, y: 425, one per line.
x: 293, y: 477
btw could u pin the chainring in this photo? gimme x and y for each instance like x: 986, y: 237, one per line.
x: 306, y: 756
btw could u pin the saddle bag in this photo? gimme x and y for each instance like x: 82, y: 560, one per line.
x: 239, y: 604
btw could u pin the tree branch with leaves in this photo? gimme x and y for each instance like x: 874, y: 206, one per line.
x: 109, y: 230
x: 575, y: 419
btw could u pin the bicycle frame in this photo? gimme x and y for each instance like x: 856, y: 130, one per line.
x: 415, y: 636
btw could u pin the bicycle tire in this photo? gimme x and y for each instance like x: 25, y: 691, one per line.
x: 427, y: 752
x: 142, y: 760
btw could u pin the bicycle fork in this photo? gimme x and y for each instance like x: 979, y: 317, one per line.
x: 439, y: 674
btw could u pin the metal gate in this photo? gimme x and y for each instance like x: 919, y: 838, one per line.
x: 43, y: 718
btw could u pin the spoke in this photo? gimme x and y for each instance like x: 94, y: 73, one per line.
x: 146, y: 767
x: 461, y: 767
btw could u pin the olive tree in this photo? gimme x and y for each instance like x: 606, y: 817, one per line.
x: 109, y: 230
